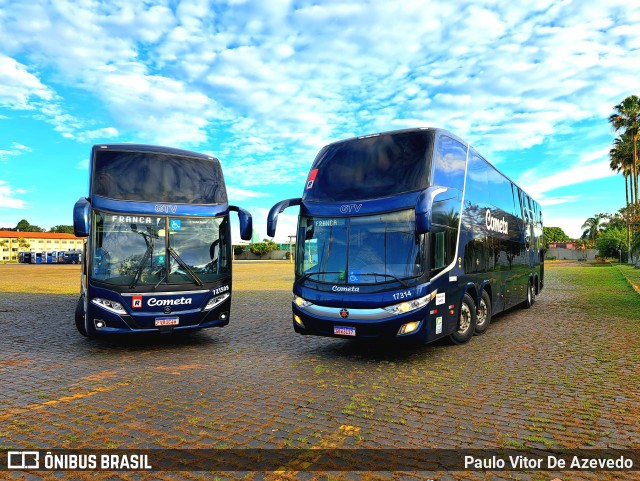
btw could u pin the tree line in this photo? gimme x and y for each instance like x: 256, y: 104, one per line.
x: 25, y: 226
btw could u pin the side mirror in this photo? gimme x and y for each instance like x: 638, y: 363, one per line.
x: 424, y: 207
x: 246, y: 222
x: 272, y: 218
x: 81, y: 213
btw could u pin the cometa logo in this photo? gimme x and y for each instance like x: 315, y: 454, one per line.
x: 496, y: 225
x: 168, y: 302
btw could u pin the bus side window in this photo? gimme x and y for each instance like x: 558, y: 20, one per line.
x: 439, y: 248
x: 450, y: 163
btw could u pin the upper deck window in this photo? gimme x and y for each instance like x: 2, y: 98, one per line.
x: 158, y: 177
x: 450, y: 163
x: 371, y: 167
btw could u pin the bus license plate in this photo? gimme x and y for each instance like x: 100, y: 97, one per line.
x: 344, y: 331
x: 167, y: 321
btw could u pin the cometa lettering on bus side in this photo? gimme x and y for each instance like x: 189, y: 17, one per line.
x: 496, y: 225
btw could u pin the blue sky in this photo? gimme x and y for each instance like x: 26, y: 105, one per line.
x: 263, y: 85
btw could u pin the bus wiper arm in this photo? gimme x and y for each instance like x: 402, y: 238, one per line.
x: 143, y: 262
x: 404, y: 284
x: 184, y: 265
x: 150, y: 240
x: 309, y: 274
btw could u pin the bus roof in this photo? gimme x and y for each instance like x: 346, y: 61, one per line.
x: 152, y: 149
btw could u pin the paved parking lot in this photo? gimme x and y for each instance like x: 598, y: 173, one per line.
x: 545, y: 378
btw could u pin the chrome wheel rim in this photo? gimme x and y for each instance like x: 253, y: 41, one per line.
x: 482, y: 313
x: 465, y: 318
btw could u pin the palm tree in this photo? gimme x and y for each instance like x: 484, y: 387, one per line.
x: 621, y: 156
x: 627, y: 118
x: 634, y: 248
x: 591, y: 228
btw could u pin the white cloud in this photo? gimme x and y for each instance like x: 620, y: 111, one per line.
x: 15, y: 150
x: 97, y: 134
x: 19, y: 86
x: 234, y: 194
x: 8, y: 197
x: 592, y: 165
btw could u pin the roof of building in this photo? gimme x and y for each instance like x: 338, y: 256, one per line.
x: 9, y: 234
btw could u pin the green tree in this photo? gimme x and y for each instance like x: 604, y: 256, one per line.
x: 592, y: 228
x: 263, y: 248
x: 23, y: 243
x: 613, y: 243
x: 62, y: 229
x: 553, y: 234
x: 626, y: 117
x: 24, y: 226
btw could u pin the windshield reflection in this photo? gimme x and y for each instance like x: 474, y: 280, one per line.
x: 370, y: 249
x: 150, y: 250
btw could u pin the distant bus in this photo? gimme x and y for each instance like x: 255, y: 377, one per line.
x: 24, y: 257
x: 158, y: 252
x: 410, y: 233
x: 72, y: 257
x: 52, y: 257
x: 38, y: 257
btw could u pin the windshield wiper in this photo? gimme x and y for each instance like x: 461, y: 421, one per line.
x: 404, y: 284
x: 150, y: 241
x: 184, y: 265
x: 309, y: 274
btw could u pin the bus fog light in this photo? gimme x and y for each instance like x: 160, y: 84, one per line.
x: 409, y: 327
x: 216, y: 301
x: 297, y: 320
x: 99, y: 324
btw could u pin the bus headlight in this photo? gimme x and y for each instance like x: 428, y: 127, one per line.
x: 300, y: 302
x: 216, y: 301
x: 409, y: 306
x: 109, y: 305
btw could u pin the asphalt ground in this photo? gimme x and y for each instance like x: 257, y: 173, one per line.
x: 545, y: 378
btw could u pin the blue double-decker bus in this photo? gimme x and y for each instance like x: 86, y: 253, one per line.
x: 158, y: 250
x: 410, y: 233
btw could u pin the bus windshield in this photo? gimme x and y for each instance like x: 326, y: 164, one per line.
x: 134, y: 250
x: 377, y: 166
x: 369, y: 249
x: 157, y: 177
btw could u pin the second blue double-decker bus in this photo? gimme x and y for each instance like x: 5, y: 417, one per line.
x: 410, y: 233
x: 158, y: 250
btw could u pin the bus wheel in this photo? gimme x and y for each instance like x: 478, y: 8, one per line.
x: 80, y: 317
x: 531, y: 296
x: 467, y: 321
x: 484, y: 314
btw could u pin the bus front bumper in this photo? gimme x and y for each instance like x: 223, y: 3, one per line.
x: 373, y: 324
x: 101, y: 321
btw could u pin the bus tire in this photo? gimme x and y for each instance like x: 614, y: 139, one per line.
x: 483, y: 318
x: 80, y: 317
x: 531, y: 296
x: 467, y: 321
